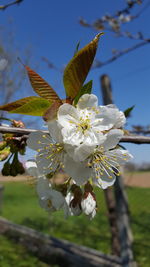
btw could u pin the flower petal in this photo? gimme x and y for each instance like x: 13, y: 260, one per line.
x: 38, y: 140
x: 112, y: 139
x: 87, y: 101
x: 82, y: 152
x: 68, y: 116
x: 104, y: 181
x: 55, y: 131
x: 121, y: 155
x: 78, y: 171
x: 31, y: 168
x: 43, y: 188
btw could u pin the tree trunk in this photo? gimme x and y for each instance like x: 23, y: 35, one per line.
x: 119, y: 209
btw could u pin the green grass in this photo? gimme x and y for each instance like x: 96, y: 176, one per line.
x: 12, y: 254
x: 21, y: 206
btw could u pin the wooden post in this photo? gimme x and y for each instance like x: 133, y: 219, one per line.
x: 120, y: 206
x: 1, y: 196
x: 109, y: 194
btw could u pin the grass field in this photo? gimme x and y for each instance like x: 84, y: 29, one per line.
x: 21, y: 206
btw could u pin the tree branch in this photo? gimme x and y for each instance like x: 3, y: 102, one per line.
x: 17, y: 2
x: 136, y: 139
x: 121, y: 53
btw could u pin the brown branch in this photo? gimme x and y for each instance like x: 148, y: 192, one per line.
x: 136, y: 139
x: 52, y: 250
x: 122, y: 53
x: 17, y: 2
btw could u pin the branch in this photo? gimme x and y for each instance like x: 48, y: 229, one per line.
x: 17, y: 2
x: 136, y: 139
x: 122, y: 53
x: 56, y: 251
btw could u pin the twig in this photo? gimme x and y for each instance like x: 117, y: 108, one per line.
x: 3, y: 7
x: 122, y: 53
x: 136, y: 139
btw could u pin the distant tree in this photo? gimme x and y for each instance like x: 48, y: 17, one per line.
x: 118, y: 24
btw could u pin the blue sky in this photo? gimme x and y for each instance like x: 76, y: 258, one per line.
x: 52, y: 30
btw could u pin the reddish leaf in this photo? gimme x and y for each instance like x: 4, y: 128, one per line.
x: 41, y: 87
x: 77, y: 69
x: 51, y: 112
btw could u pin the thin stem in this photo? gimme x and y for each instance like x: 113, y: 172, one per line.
x: 136, y: 139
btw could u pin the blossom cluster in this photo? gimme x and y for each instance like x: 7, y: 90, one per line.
x: 83, y: 143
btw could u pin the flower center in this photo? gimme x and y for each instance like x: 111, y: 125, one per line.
x: 52, y: 152
x: 104, y: 164
x: 83, y: 125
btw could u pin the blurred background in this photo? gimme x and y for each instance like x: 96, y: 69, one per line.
x: 44, y: 35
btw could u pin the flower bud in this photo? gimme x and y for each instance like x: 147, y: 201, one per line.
x: 6, y: 169
x: 2, y: 145
x: 18, y: 124
x: 4, y: 153
x: 88, y: 204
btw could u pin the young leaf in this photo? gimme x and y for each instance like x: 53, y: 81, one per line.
x: 86, y: 89
x: 35, y: 107
x: 77, y: 69
x: 16, y: 104
x: 41, y: 87
x: 51, y: 112
x: 127, y: 112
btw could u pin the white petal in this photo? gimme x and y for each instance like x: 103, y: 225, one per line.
x: 38, y: 140
x: 43, y: 188
x: 78, y: 171
x: 92, y: 215
x: 3, y: 64
x: 88, y: 204
x: 57, y: 199
x: 45, y: 165
x: 111, y: 111
x: 71, y: 136
x: 31, y: 168
x: 94, y: 137
x: 82, y: 152
x: 112, y: 139
x: 121, y: 120
x: 87, y: 101
x: 122, y: 155
x: 105, y: 181
x: 67, y: 115
x: 55, y: 131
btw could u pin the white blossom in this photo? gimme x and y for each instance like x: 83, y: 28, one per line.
x: 73, y: 209
x: 83, y: 124
x: 88, y: 205
x: 101, y: 163
x: 3, y: 64
x: 50, y: 148
x: 49, y: 198
x: 111, y: 111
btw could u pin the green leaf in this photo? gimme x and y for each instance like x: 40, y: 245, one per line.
x: 41, y: 87
x: 77, y: 69
x: 35, y: 107
x: 86, y: 89
x: 128, y: 111
x: 16, y: 104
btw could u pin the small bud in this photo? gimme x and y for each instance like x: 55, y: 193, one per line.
x: 2, y: 145
x: 18, y: 124
x: 6, y: 169
x: 88, y: 205
x: 4, y: 153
